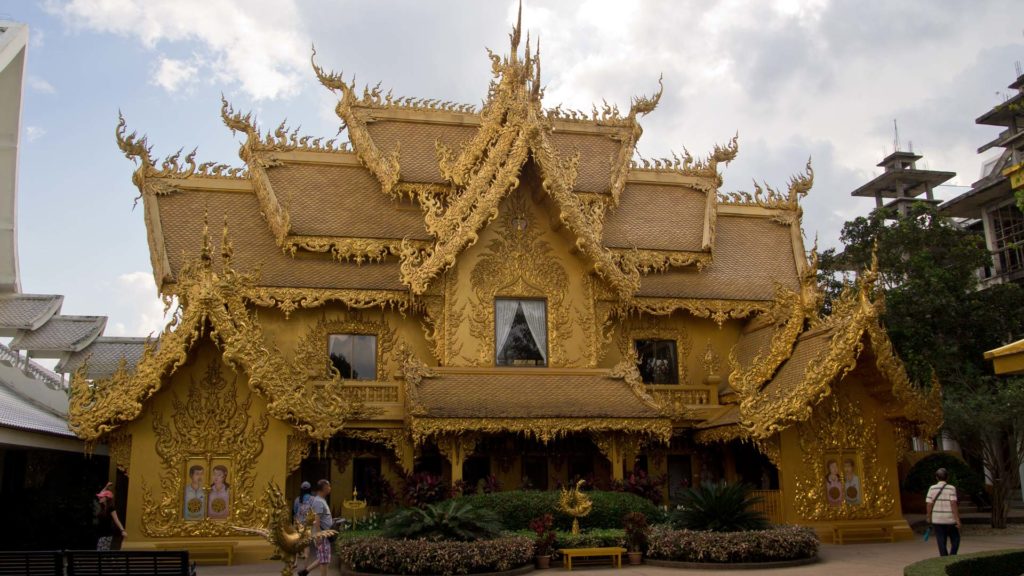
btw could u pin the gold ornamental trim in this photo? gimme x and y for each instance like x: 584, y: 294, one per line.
x: 721, y: 434
x: 211, y: 304
x: 661, y: 260
x: 541, y: 429
x: 717, y: 310
x: 854, y: 315
x: 767, y: 197
x: 288, y: 300
x: 685, y: 164
x: 358, y: 250
x: 787, y: 316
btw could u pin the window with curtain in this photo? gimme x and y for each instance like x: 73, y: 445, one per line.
x: 520, y: 332
x: 354, y: 356
x: 657, y: 361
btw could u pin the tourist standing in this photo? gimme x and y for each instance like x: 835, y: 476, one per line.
x: 106, y: 519
x: 321, y: 547
x: 944, y: 513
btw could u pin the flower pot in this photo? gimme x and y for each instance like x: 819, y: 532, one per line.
x: 635, y: 557
x: 543, y: 561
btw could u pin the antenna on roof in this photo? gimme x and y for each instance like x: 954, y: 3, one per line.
x: 1016, y: 66
x: 910, y: 146
x: 896, y: 136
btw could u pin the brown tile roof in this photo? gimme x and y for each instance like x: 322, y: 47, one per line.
x: 729, y: 417
x: 751, y: 255
x: 753, y: 343
x: 598, y: 154
x: 417, y: 158
x: 104, y: 356
x: 181, y: 216
x: 657, y: 217
x: 326, y: 200
x: 27, y: 311
x: 60, y: 334
x: 529, y: 393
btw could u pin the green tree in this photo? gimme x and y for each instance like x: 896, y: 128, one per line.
x: 940, y: 323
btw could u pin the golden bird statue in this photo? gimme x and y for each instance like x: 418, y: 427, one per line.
x: 576, y: 504
x: 286, y: 536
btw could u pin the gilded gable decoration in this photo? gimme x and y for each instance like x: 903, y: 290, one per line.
x: 210, y: 425
x: 210, y: 304
x: 519, y: 263
x: 312, y: 353
x: 288, y: 300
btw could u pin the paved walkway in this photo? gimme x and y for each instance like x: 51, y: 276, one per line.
x: 849, y: 560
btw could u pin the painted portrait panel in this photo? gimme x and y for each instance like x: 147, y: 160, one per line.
x: 219, y: 498
x: 833, y: 480
x: 194, y: 501
x: 853, y: 492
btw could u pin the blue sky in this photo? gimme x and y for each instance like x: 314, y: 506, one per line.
x: 796, y: 79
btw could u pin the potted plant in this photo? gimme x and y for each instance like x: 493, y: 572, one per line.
x: 635, y: 525
x: 542, y: 526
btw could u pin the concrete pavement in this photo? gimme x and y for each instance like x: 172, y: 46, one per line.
x: 849, y: 560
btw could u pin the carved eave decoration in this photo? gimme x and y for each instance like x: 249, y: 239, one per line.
x: 211, y: 304
x: 787, y: 317
x: 513, y: 128
x: 855, y: 315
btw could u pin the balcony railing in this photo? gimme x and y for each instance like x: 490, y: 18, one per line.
x: 770, y: 504
x: 677, y: 397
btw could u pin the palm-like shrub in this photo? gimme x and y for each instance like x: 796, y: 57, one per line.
x: 719, y: 508
x: 452, y: 520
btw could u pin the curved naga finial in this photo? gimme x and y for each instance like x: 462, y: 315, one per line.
x: 133, y: 146
x: 643, y: 105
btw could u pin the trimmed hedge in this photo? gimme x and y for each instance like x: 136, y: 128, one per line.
x: 517, y: 507
x: 387, y: 556
x: 771, y: 545
x: 992, y: 563
x: 593, y: 538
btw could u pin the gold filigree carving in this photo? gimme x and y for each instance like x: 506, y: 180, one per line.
x: 358, y: 250
x: 840, y: 429
x: 119, y: 446
x: 595, y: 318
x: 648, y: 261
x: 711, y: 362
x: 721, y: 434
x: 519, y: 264
x: 299, y: 445
x: 312, y: 349
x: 397, y: 440
x: 799, y: 186
x: 771, y: 447
x: 627, y: 371
x: 720, y: 311
x: 211, y: 304
x: 210, y: 423
x: 787, y: 317
x: 541, y: 429
x: 288, y: 300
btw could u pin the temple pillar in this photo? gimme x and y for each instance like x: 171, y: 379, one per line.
x: 456, y: 448
x: 618, y: 448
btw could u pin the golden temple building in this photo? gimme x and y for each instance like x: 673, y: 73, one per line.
x: 501, y: 292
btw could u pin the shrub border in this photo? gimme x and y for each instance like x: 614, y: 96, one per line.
x: 524, y: 569
x: 937, y: 566
x: 732, y: 566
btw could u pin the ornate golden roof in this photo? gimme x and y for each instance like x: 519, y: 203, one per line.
x: 421, y: 178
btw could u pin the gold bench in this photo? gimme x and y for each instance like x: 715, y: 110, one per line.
x: 845, y: 533
x: 613, y: 552
x: 203, y: 553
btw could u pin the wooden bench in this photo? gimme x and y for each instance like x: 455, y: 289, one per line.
x: 846, y: 533
x: 614, y: 552
x: 204, y: 553
x: 127, y: 563
x: 33, y: 563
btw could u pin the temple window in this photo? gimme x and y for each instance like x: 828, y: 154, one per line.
x: 354, y: 356
x: 520, y: 332
x: 657, y: 361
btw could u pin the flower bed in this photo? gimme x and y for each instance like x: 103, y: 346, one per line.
x: 517, y: 507
x: 994, y: 563
x: 378, y: 555
x: 594, y: 538
x: 782, y: 543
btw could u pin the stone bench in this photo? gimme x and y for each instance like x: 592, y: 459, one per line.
x: 204, y: 553
x: 846, y: 533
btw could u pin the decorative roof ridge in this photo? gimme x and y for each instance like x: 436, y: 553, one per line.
x: 686, y: 165
x: 151, y: 180
x: 627, y: 371
x: 799, y: 186
x: 787, y: 319
x: 211, y: 305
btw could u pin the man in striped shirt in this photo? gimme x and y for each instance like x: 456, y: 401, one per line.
x: 943, y: 513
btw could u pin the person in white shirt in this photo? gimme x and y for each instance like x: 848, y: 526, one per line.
x: 943, y: 513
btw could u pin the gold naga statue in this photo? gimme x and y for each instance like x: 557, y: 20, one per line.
x: 286, y: 536
x: 576, y: 504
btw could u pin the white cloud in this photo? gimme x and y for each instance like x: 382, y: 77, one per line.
x: 172, y: 74
x: 39, y: 85
x: 141, y: 305
x: 260, y: 44
x: 33, y: 133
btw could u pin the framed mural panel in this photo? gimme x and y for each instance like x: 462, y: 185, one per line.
x: 842, y: 479
x: 219, y: 499
x: 194, y: 497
